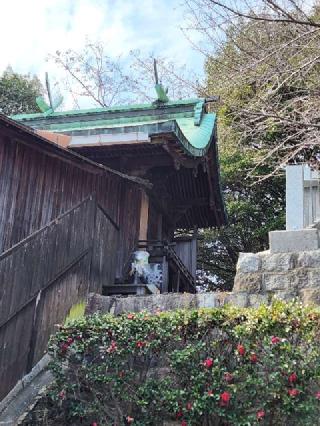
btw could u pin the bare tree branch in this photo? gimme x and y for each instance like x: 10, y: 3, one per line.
x: 255, y: 17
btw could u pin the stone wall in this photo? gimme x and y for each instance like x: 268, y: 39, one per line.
x: 161, y: 302
x: 262, y: 276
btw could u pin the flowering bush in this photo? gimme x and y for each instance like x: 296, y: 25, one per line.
x: 224, y: 366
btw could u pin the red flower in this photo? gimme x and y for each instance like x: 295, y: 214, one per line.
x: 260, y: 415
x: 121, y: 373
x: 130, y: 316
x: 112, y: 347
x: 62, y: 394
x: 70, y: 340
x: 208, y: 363
x: 179, y: 415
x: 275, y: 340
x: 210, y: 392
x: 140, y: 344
x: 317, y: 395
x: 293, y: 378
x: 224, y: 399
x: 189, y: 406
x: 253, y: 358
x: 94, y: 424
x: 228, y: 377
x: 241, y: 350
x: 293, y: 392
x: 64, y: 347
x: 184, y: 423
x: 130, y: 420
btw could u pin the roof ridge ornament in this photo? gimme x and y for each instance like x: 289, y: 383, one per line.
x: 198, y: 112
x: 53, y: 103
x: 162, y: 96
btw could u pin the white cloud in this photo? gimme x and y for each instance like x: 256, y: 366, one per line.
x: 31, y: 30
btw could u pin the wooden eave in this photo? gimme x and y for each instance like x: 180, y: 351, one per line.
x: 29, y: 137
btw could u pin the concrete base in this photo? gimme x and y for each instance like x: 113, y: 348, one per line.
x: 293, y: 241
x: 22, y: 398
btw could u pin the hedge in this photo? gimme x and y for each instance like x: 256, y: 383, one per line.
x: 223, y: 366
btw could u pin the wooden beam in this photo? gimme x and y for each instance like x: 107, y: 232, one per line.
x: 144, y: 216
x: 178, y: 281
x: 185, y: 203
x: 159, y: 226
x: 180, y: 156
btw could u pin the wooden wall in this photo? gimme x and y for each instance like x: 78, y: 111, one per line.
x: 129, y: 222
x: 64, y: 231
x: 35, y: 188
x: 42, y: 277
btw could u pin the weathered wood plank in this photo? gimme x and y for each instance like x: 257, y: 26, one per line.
x: 45, y: 246
x: 36, y: 188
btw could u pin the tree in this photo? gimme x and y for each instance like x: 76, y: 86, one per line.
x: 253, y: 211
x: 269, y: 52
x: 18, y: 93
x: 267, y: 117
x: 262, y: 58
x: 90, y: 72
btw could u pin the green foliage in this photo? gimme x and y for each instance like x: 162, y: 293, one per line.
x: 254, y: 206
x: 224, y: 366
x: 18, y: 93
x: 253, y: 209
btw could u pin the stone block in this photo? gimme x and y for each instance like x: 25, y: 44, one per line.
x: 310, y: 296
x: 256, y: 300
x: 248, y: 263
x: 278, y: 262
x: 238, y: 299
x: 300, y: 279
x: 309, y: 259
x: 283, y: 295
x: 247, y: 282
x: 221, y: 297
x: 293, y: 241
x: 313, y: 278
x: 272, y: 282
x: 207, y: 300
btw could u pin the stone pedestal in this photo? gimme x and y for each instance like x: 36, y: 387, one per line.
x: 294, y: 241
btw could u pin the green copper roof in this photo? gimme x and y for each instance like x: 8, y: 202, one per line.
x: 185, y: 118
x: 117, y: 108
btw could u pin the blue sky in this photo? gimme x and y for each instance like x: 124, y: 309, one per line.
x: 31, y: 30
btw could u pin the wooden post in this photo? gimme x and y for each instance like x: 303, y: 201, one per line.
x: 194, y: 254
x: 159, y: 226
x: 178, y: 281
x: 144, y: 214
x: 165, y: 275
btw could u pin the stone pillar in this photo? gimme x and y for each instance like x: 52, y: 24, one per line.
x: 294, y: 197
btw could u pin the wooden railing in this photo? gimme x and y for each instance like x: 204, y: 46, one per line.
x: 175, y: 275
x: 172, y: 256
